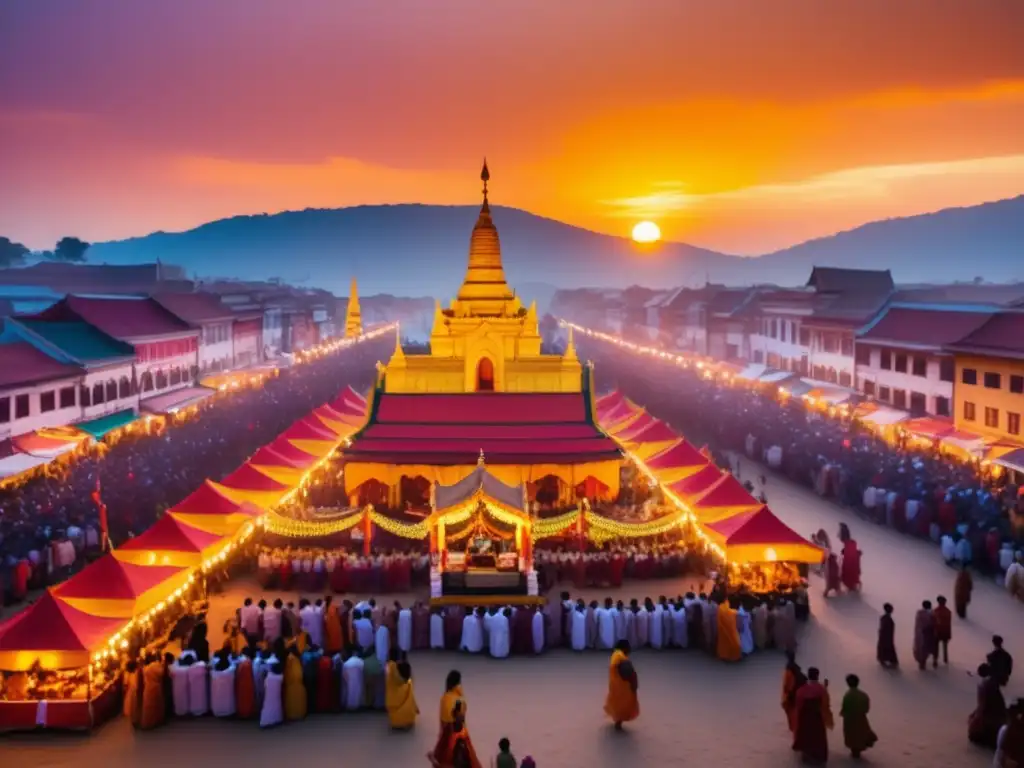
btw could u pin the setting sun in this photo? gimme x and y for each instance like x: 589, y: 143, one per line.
x: 646, y: 232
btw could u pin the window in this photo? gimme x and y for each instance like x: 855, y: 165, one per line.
x: 883, y: 394
x: 5, y: 410
x: 47, y: 401
x: 993, y: 381
x: 886, y: 362
x: 83, y: 395
x: 97, y: 393
x: 111, y: 391
x: 161, y: 379
x: 969, y: 376
x: 1017, y: 385
x: 805, y: 337
x: 969, y: 414
x: 899, y: 398
x: 845, y: 380
x: 124, y: 387
x: 67, y: 397
x: 869, y: 388
x: 830, y: 343
x: 901, y: 363
x: 947, y: 369
x: 918, y: 403
x: 992, y: 418
x: 846, y: 347
x: 920, y: 366
x: 21, y: 409
x: 1013, y: 423
x: 774, y: 329
x: 758, y: 356
x: 942, y: 406
x: 863, y: 355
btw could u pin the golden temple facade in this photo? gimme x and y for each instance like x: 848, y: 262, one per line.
x: 353, y: 315
x: 486, y: 340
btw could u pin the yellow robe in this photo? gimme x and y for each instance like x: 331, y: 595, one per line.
x: 728, y: 634
x: 294, y: 690
x: 399, y: 699
x: 622, y: 704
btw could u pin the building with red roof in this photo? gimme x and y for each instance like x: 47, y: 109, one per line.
x: 989, y: 387
x: 37, y: 390
x: 212, y: 318
x: 166, y: 347
x: 902, y: 358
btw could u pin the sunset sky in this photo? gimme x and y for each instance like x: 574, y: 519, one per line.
x: 740, y: 126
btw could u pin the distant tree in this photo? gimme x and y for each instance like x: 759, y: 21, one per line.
x: 12, y: 254
x: 71, y: 250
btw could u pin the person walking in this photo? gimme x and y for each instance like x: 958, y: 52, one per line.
x: 943, y: 631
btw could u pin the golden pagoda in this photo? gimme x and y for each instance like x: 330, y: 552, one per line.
x: 486, y: 340
x: 353, y: 317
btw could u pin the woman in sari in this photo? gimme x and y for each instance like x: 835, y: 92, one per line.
x: 399, y: 698
x: 622, y: 704
x: 857, y: 733
x: 295, y: 703
x: 153, y: 713
x: 792, y: 678
x: 453, y: 738
x: 813, y: 720
x: 245, y: 687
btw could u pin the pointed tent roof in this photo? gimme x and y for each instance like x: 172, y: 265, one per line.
x: 618, y: 412
x: 268, y: 456
x: 283, y: 447
x: 206, y: 500
x: 248, y: 478
x: 606, y: 403
x: 354, y: 395
x: 478, y: 482
x: 305, y: 429
x: 170, y: 535
x: 727, y: 492
x: 109, y: 578
x: 637, y: 426
x: 696, y: 483
x: 682, y: 454
x: 54, y: 633
x: 759, y: 536
x: 655, y: 432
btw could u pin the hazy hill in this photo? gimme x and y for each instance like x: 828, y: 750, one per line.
x: 417, y: 250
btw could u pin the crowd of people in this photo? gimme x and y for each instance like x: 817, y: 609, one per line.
x: 912, y: 488
x: 143, y: 474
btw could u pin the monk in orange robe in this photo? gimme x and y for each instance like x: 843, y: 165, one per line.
x: 453, y: 740
x: 728, y: 634
x: 153, y: 713
x: 245, y: 690
x: 132, y: 703
x: 792, y: 678
x: 333, y: 641
x: 622, y: 704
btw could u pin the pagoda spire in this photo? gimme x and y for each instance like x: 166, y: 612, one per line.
x: 485, y: 292
x: 485, y: 176
x: 353, y: 315
x: 570, y: 348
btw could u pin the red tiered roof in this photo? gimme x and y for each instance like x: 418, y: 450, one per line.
x: 680, y: 455
x: 110, y: 579
x: 509, y: 427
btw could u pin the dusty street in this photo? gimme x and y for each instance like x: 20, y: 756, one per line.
x: 695, y: 711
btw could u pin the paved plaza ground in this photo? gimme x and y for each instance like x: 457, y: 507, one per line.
x: 695, y: 711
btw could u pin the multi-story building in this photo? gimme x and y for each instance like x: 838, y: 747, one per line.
x: 247, y: 345
x: 36, y: 390
x: 902, y: 358
x: 109, y: 383
x: 212, y: 318
x: 727, y: 323
x: 166, y: 347
x: 989, y: 388
x: 777, y: 336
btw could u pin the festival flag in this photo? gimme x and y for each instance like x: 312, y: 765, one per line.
x: 97, y: 499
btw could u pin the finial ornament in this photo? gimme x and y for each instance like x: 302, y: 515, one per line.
x: 485, y: 176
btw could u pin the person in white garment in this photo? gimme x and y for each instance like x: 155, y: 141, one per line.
x: 606, y: 625
x: 578, y: 627
x: 311, y: 618
x: 680, y: 625
x: 222, y: 686
x: 382, y: 644
x: 198, y: 691
x: 499, y: 641
x: 353, y: 691
x: 666, y: 623
x: 642, y: 622
x: 436, y: 630
x: 404, y: 628
x: 272, y: 711
x: 655, y: 626
x: 179, y: 683
x: 363, y: 628
x: 272, y: 621
x: 249, y: 618
x: 472, y: 633
x: 537, y: 625
x: 619, y: 617
x: 592, y: 610
x: 486, y: 622
x: 743, y: 626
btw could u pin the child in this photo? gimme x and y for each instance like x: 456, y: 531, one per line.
x: 505, y: 757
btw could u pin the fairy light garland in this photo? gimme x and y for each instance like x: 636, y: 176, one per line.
x: 552, y: 526
x: 280, y: 525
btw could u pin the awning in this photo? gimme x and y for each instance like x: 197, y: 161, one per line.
x: 752, y: 372
x: 49, y: 442
x: 776, y: 377
x: 883, y: 417
x: 965, y: 441
x: 173, y: 402
x: 209, y: 510
x: 20, y: 463
x: 929, y: 427
x: 55, y: 635
x: 1013, y: 460
x: 479, y: 482
x: 248, y: 484
x: 697, y: 483
x: 797, y: 388
x: 234, y: 379
x: 104, y: 425
x: 725, y: 498
x: 117, y: 590
x: 760, y: 537
x: 170, y: 542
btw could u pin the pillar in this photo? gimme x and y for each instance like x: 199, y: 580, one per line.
x: 367, y: 531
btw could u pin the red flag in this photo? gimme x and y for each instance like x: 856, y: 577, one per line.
x: 104, y: 534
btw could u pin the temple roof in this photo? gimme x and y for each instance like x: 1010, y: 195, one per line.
x: 483, y: 483
x: 508, y: 427
x: 485, y: 290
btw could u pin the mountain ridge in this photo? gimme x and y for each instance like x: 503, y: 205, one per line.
x: 424, y: 248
